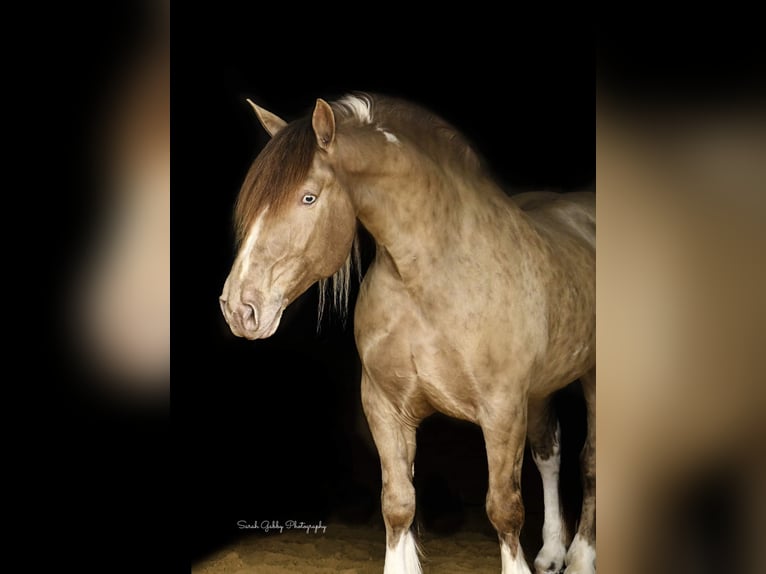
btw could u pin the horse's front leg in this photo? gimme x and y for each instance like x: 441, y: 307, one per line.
x: 395, y: 441
x: 505, y: 436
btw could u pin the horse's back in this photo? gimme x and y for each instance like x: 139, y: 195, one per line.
x: 573, y: 213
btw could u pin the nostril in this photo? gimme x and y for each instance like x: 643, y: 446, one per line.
x: 249, y: 317
x: 222, y: 302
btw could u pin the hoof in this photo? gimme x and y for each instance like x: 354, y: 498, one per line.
x: 550, y: 560
x: 581, y: 557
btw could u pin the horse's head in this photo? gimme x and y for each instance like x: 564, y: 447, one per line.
x: 295, y: 222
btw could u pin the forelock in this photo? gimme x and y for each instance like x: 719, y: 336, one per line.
x: 283, y: 164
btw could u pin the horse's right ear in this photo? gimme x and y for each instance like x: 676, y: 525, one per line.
x: 272, y: 123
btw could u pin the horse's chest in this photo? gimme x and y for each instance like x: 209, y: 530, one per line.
x: 410, y: 359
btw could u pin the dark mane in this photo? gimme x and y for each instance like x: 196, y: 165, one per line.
x: 276, y: 172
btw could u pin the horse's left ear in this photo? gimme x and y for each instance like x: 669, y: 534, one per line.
x: 323, y: 122
x: 272, y: 123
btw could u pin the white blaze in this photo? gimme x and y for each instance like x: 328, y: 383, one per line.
x: 246, y: 251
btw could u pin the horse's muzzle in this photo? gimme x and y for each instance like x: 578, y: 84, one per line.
x: 241, y: 317
x: 246, y: 321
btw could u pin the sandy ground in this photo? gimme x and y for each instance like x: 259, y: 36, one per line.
x: 359, y: 549
x: 346, y: 550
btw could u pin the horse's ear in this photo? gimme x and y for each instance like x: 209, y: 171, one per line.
x: 323, y: 122
x: 272, y: 123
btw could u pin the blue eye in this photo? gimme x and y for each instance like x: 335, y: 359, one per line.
x: 309, y: 199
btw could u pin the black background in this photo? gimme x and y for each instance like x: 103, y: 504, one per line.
x: 273, y: 428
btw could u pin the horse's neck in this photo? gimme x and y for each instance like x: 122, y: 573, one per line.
x: 419, y: 220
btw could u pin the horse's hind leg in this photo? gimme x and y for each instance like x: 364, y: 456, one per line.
x: 395, y: 441
x: 581, y: 557
x: 544, y: 438
x: 504, y: 436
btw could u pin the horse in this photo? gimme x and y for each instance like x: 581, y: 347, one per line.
x: 477, y: 304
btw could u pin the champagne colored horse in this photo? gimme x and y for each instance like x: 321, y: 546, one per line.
x: 477, y: 305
